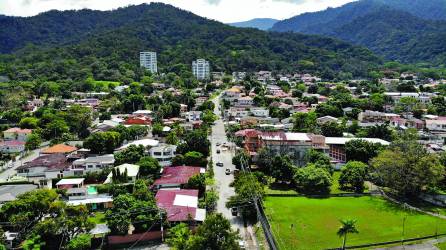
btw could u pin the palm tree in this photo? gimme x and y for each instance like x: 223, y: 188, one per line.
x: 348, y: 226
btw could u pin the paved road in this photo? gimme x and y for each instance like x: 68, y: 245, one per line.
x: 12, y: 170
x: 222, y: 180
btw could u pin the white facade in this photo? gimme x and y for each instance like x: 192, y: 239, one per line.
x: 164, y: 154
x: 201, y: 69
x: 91, y: 164
x: 147, y: 59
x: 260, y: 112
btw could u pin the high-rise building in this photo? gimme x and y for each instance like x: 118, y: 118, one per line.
x: 148, y: 60
x: 201, y: 69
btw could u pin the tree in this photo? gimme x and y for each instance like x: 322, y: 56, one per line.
x: 80, y: 242
x: 178, y: 236
x: 332, y: 129
x: 103, y: 142
x: 406, y: 167
x: 194, y: 158
x: 215, y: 233
x: 172, y: 138
x: 353, y: 175
x: 33, y: 141
x: 79, y: 120
x: 55, y: 129
x: 304, y: 122
x: 149, y: 166
x: 195, y: 140
x: 347, y: 227
x: 197, y: 181
x: 312, y: 180
x: 361, y: 150
x: 407, y: 104
x: 130, y: 155
x: 29, y: 123
x: 282, y: 169
x: 208, y: 117
x: 381, y: 131
x: 241, y: 156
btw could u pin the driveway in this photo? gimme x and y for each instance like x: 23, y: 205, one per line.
x: 11, y: 171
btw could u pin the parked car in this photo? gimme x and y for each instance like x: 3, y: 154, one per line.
x: 218, y: 151
x: 228, y: 171
x: 242, y: 244
x: 219, y: 164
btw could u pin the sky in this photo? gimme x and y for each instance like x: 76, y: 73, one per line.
x: 221, y: 10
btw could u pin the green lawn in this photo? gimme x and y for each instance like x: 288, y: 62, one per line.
x: 441, y: 246
x: 316, y: 221
x: 99, y: 218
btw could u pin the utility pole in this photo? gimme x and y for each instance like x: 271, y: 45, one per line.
x: 162, y: 228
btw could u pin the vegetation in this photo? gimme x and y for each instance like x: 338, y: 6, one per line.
x: 377, y: 221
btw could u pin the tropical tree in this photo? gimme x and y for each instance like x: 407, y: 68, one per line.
x: 347, y: 226
x: 178, y: 236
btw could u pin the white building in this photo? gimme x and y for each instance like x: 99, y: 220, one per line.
x: 201, y: 69
x: 92, y: 164
x: 260, y: 112
x: 164, y: 154
x: 148, y: 60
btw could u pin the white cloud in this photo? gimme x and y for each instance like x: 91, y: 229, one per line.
x: 222, y: 10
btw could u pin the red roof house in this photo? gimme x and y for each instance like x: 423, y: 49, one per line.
x: 180, y: 205
x: 175, y: 177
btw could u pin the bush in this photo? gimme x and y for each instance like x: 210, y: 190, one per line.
x: 353, y: 175
x: 312, y: 180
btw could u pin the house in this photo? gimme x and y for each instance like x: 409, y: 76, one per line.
x: 94, y: 201
x: 70, y: 183
x: 326, y: 119
x: 11, y: 147
x: 146, y: 143
x: 234, y: 113
x: 16, y: 134
x: 260, y: 112
x: 438, y: 124
x: 138, y: 120
x: 92, y: 164
x: 192, y: 116
x: 232, y: 94
x: 132, y: 173
x: 142, y: 113
x: 44, y: 169
x: 10, y: 192
x: 245, y: 101
x: 370, y: 116
x: 176, y: 177
x: 180, y: 205
x: 59, y: 149
x: 164, y: 153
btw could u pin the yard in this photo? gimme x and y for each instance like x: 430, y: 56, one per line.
x: 316, y: 221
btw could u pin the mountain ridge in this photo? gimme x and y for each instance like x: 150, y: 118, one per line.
x: 258, y: 23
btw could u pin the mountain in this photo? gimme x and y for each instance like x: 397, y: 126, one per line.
x: 408, y: 31
x: 105, y: 45
x: 258, y: 23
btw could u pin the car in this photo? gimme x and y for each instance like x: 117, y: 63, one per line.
x: 218, y: 144
x: 218, y: 151
x: 228, y: 171
x: 234, y: 211
x: 242, y: 244
x: 219, y: 164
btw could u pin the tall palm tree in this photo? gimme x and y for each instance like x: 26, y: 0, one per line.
x: 348, y: 226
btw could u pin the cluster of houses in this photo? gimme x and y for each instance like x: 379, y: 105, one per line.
x: 14, y: 140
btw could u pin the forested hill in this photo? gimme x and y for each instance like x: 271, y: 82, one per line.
x: 106, y: 45
x: 408, y: 31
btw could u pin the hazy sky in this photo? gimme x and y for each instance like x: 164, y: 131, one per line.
x: 222, y: 10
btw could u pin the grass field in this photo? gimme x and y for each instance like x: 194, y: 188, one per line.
x: 316, y: 221
x: 441, y: 246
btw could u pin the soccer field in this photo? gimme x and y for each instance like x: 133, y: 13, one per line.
x: 316, y: 221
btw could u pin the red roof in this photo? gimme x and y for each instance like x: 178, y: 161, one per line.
x: 166, y: 198
x: 12, y: 143
x: 177, y: 175
x: 247, y: 132
x: 19, y: 131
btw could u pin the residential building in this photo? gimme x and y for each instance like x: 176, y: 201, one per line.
x: 438, y: 124
x: 132, y: 173
x: 16, y: 134
x: 59, y: 149
x: 245, y: 101
x: 92, y: 164
x: 295, y: 145
x: 70, y: 183
x: 176, y: 177
x: 326, y: 119
x: 180, y: 205
x: 44, y: 169
x: 337, y: 146
x: 11, y: 147
x: 146, y: 143
x: 191, y: 116
x: 147, y: 59
x: 370, y: 116
x: 164, y: 153
x: 260, y: 112
x: 201, y: 69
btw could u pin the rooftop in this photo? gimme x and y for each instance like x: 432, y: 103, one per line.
x: 180, y: 204
x: 50, y: 161
x: 10, y: 192
x: 177, y: 175
x: 18, y: 131
x: 74, y: 181
x: 59, y: 149
x: 143, y: 142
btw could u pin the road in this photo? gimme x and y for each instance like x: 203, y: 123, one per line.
x: 222, y: 180
x: 12, y: 170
